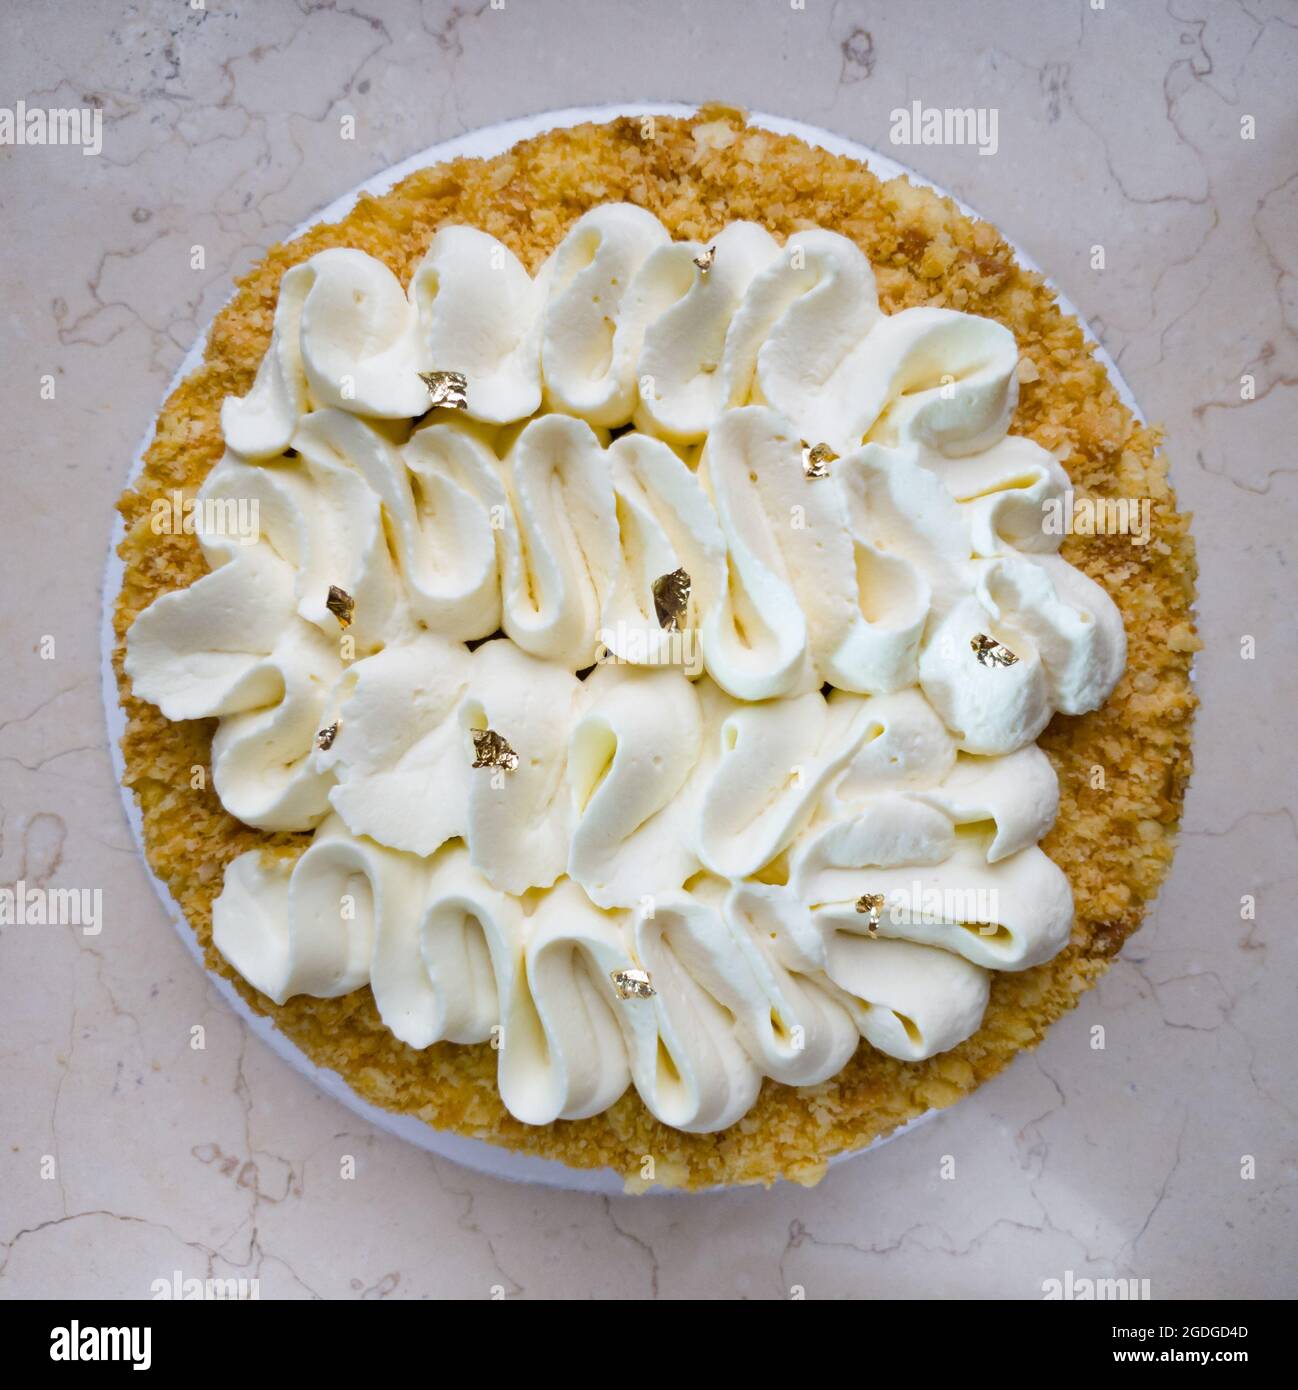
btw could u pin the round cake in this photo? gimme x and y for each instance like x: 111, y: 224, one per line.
x: 657, y: 649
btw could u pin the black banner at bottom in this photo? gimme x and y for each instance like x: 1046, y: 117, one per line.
x: 163, y: 1336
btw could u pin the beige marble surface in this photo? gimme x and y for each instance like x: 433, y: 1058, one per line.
x: 127, y: 1156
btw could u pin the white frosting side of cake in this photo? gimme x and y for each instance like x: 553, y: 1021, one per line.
x: 694, y: 807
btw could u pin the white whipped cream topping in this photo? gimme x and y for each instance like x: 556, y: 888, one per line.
x: 479, y: 308
x: 694, y: 806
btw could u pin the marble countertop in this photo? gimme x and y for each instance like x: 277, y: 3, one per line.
x: 128, y: 1157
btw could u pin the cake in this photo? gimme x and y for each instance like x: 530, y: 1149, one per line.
x: 616, y: 693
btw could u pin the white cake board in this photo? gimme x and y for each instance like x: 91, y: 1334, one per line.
x: 483, y: 144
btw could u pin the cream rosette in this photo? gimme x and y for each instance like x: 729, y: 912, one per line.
x: 805, y: 802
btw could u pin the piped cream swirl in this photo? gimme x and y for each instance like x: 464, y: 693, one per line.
x: 694, y: 806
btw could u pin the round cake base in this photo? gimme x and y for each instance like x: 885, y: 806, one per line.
x: 476, y: 1153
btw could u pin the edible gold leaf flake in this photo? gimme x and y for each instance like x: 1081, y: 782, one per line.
x: 341, y: 604
x: 447, y: 389
x: 632, y: 984
x: 325, y: 738
x: 870, y: 905
x: 671, y: 599
x: 490, y: 750
x: 990, y: 652
x: 816, y: 459
x: 704, y: 259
